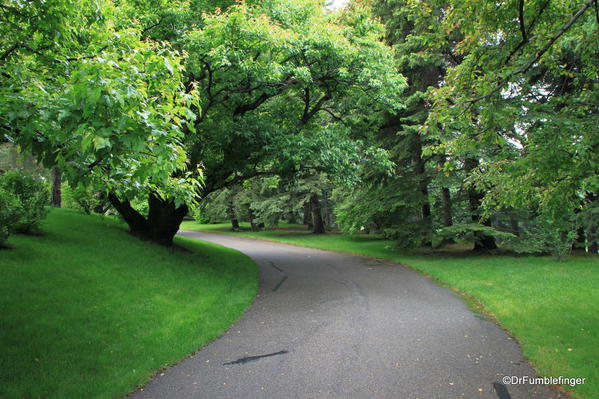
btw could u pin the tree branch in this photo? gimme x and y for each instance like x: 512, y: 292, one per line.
x: 538, y: 16
x: 523, y: 30
x: 563, y: 30
x: 56, y: 60
x: 87, y: 57
x: 317, y: 107
x: 242, y: 109
x: 9, y: 51
x: 95, y: 163
x: 11, y: 9
x: 330, y: 112
x: 521, y: 18
x: 145, y: 30
x: 238, y: 179
x: 539, y: 54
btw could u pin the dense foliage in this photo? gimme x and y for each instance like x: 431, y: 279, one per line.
x: 496, y: 140
x: 9, y: 214
x: 428, y: 121
x: 137, y: 99
x: 23, y: 200
x: 524, y: 102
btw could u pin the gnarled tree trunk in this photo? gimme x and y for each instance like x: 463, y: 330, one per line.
x: 162, y: 223
x: 137, y: 223
x: 164, y: 219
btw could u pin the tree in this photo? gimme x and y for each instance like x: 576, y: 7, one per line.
x: 114, y: 105
x: 86, y: 94
x: 524, y: 100
x: 271, y: 79
x: 276, y: 82
x: 400, y: 203
x: 422, y: 59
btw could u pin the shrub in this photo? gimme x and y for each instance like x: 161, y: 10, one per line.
x: 32, y: 195
x: 9, y: 214
x: 467, y: 232
x: 547, y: 236
x: 85, y: 199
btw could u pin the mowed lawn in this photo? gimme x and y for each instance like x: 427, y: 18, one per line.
x: 88, y: 311
x: 550, y: 307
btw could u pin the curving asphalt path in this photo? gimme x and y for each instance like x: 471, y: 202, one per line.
x: 330, y: 325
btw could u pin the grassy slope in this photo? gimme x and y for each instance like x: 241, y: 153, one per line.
x: 550, y: 307
x: 88, y: 311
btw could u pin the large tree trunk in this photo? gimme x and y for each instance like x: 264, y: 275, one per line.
x: 253, y: 224
x: 420, y: 169
x: 138, y: 225
x: 164, y: 219
x: 316, y: 214
x: 446, y: 206
x: 231, y: 214
x: 482, y: 242
x: 162, y: 223
x: 580, y: 241
x: 56, y: 190
x: 447, y: 214
x: 308, y: 216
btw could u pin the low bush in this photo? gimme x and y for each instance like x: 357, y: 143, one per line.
x: 9, y: 214
x: 85, y: 199
x: 31, y: 195
x: 466, y: 232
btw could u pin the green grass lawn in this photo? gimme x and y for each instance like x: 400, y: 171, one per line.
x: 86, y: 310
x: 550, y: 307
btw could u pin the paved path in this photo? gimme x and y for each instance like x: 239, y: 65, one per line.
x: 329, y: 325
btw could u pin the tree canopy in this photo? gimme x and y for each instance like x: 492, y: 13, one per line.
x: 424, y: 120
x: 524, y: 101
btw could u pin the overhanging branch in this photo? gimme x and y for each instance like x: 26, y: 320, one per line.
x: 539, y: 54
